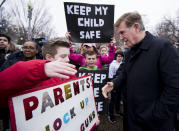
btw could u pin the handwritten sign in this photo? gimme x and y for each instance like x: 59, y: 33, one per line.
x: 89, y: 23
x: 100, y: 78
x: 68, y: 106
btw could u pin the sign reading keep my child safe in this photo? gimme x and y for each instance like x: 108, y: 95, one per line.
x: 65, y: 107
x: 89, y: 23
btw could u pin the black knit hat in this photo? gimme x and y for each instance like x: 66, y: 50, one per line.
x: 3, y: 35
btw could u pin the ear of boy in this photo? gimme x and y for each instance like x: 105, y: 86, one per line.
x: 49, y: 57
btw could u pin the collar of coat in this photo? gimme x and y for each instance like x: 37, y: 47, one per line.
x: 146, y: 45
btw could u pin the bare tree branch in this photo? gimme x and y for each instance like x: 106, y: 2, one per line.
x: 40, y: 23
x: 169, y: 29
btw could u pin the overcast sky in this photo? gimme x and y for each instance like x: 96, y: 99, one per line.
x: 152, y: 10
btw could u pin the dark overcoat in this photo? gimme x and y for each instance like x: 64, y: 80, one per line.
x: 150, y: 78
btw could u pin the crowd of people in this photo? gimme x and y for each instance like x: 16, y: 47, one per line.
x: 144, y: 76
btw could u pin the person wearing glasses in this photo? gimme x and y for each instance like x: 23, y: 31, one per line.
x: 29, y: 52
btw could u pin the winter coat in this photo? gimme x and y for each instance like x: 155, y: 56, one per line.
x: 150, y: 78
x: 14, y: 58
x: 3, y: 55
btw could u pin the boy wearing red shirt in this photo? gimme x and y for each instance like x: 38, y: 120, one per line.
x: 31, y: 74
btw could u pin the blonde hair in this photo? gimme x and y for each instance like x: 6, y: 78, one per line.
x: 11, y: 47
x: 103, y: 46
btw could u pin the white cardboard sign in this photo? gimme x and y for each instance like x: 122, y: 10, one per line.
x: 68, y: 106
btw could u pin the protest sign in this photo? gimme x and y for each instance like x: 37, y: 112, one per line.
x: 65, y: 107
x: 89, y: 23
x: 100, y: 78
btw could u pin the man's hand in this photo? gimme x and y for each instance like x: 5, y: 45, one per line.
x: 107, y: 88
x: 59, y: 69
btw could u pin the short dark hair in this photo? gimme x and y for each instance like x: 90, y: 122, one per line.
x: 51, y: 46
x: 90, y: 53
x: 130, y: 18
x: 8, y: 38
x: 36, y: 45
x: 119, y: 53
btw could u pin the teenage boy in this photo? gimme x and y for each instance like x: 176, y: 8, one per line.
x: 30, y: 74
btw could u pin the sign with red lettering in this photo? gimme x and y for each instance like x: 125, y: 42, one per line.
x: 65, y: 107
x: 89, y: 23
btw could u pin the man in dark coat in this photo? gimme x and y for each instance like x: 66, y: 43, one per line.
x: 149, y: 76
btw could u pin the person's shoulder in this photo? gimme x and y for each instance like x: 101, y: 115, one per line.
x: 156, y: 42
x: 99, y: 55
x: 17, y: 53
x: 113, y: 62
x: 83, y: 68
x: 161, y: 40
x: 95, y: 67
x: 161, y: 43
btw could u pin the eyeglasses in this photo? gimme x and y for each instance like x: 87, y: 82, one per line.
x: 28, y: 47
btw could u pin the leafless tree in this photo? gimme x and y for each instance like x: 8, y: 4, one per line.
x: 169, y: 28
x: 18, y: 19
